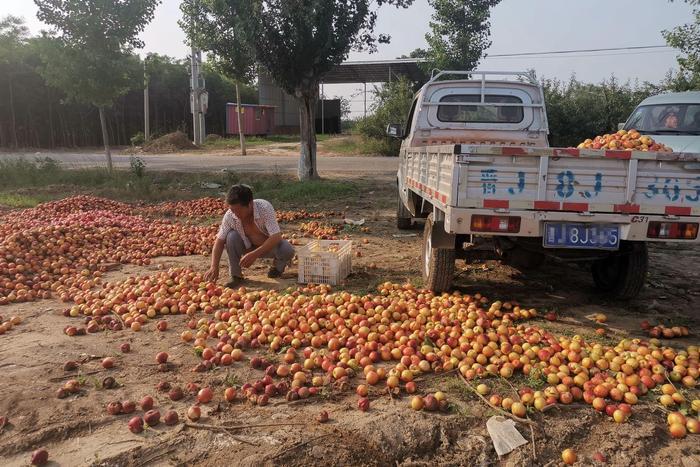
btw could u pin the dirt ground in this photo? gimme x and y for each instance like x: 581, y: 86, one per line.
x: 77, y: 430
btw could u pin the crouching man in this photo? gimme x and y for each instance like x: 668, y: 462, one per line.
x: 249, y: 231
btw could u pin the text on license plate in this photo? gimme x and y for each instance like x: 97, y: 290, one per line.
x: 570, y: 235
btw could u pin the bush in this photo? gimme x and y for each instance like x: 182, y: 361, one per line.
x: 392, y: 104
x: 138, y: 139
x: 138, y: 166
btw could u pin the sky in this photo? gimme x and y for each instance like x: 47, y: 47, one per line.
x: 517, y: 26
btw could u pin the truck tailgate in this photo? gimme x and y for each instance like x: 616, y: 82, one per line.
x: 560, y: 179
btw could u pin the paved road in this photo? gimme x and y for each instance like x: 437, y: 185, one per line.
x: 208, y: 163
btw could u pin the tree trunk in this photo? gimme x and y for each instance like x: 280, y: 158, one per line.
x: 12, y: 111
x: 52, y: 141
x: 307, y: 128
x: 105, y: 139
x: 241, y: 136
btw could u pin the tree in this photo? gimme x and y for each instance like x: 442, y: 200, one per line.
x: 577, y: 110
x: 460, y: 31
x: 213, y: 26
x: 88, y: 56
x: 345, y: 109
x: 392, y: 103
x: 298, y: 42
x: 686, y: 38
x: 13, y: 36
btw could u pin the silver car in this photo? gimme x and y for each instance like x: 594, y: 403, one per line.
x: 672, y: 119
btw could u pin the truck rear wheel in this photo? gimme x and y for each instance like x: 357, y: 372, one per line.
x: 438, y: 263
x: 622, y: 276
x: 404, y: 218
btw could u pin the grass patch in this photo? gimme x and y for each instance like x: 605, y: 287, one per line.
x: 256, y: 141
x: 356, y: 145
x: 535, y: 380
x: 25, y: 183
x: 14, y: 200
x: 295, y: 191
x: 232, y: 380
x: 454, y: 385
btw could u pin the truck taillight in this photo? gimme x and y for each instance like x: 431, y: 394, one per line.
x: 673, y: 230
x: 506, y: 224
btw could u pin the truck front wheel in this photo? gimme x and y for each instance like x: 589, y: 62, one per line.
x: 438, y: 263
x: 622, y: 275
x: 403, y: 215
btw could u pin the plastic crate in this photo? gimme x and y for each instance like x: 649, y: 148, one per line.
x: 319, y: 265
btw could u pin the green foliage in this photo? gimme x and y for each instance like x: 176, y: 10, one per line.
x: 256, y: 141
x: 577, y: 111
x: 137, y: 166
x: 138, y: 139
x: 296, y: 41
x: 686, y: 38
x: 392, y: 104
x: 84, y: 78
x: 303, y: 192
x: 460, y: 31
x: 34, y: 114
x: 680, y: 81
x: 355, y: 145
x: 25, y: 183
x: 232, y: 380
x: 89, y: 55
x: 536, y: 379
x: 15, y: 200
x: 213, y: 26
x: 344, y: 106
x: 13, y: 35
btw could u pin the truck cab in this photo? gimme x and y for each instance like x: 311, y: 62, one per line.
x: 507, y: 113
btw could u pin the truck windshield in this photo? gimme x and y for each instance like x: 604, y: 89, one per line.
x: 480, y: 114
x: 664, y: 119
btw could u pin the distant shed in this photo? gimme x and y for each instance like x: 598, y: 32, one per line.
x: 257, y: 120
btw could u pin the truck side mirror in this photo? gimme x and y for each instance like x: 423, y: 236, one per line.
x: 394, y: 130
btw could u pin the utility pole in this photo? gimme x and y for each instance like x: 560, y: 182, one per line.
x: 146, y: 110
x: 323, y: 117
x: 241, y: 130
x: 198, y: 97
x: 365, y: 96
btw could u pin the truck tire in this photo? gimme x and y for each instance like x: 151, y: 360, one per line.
x: 622, y: 276
x: 438, y: 263
x: 404, y: 219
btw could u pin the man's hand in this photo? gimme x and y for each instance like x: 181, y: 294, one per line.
x: 248, y: 259
x: 212, y: 274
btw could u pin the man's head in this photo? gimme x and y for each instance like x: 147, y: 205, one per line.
x: 671, y: 120
x: 240, y: 200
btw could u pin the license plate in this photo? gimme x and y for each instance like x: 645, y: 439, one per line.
x: 584, y: 236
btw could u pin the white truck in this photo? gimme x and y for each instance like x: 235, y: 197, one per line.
x: 476, y: 164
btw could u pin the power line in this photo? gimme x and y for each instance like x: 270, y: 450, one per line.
x: 553, y: 52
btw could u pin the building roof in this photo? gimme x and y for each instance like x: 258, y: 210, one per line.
x: 375, y: 71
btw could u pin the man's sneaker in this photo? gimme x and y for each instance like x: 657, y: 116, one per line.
x: 273, y: 273
x: 235, y: 282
